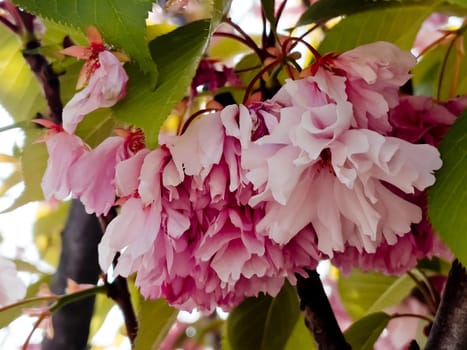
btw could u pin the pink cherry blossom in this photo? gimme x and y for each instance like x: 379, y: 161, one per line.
x: 90, y: 54
x: 64, y: 151
x: 401, y: 331
x: 398, y: 257
x: 210, y: 76
x: 419, y: 119
x: 92, y: 177
x: 331, y: 175
x: 374, y: 74
x: 12, y: 288
x: 431, y: 30
x: 106, y: 86
x: 195, y: 241
x: 248, y: 197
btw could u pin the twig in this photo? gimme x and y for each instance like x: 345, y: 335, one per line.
x: 47, y: 77
x: 424, y: 290
x: 118, y: 292
x: 319, y: 317
x: 118, y: 289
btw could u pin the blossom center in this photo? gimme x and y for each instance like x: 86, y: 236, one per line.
x: 135, y: 141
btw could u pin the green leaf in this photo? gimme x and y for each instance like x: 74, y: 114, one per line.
x: 20, y: 92
x: 11, y: 312
x: 396, y: 25
x: 301, y: 337
x: 434, y: 265
x: 447, y: 199
x: 365, y: 292
x: 264, y: 323
x: 56, y: 32
x: 33, y: 163
x: 155, y: 319
x: 427, y: 73
x: 47, y: 232
x: 364, y: 333
x: 33, y: 289
x: 96, y: 127
x: 281, y: 318
x: 324, y: 10
x: 22, y: 265
x: 462, y: 3
x: 14, y: 179
x: 225, y: 343
x: 122, y: 23
x: 177, y: 55
x: 394, y: 294
x: 268, y: 9
x: 102, y: 306
x: 219, y: 9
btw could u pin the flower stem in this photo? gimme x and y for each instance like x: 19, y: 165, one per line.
x: 257, y: 77
x: 241, y: 40
x: 73, y: 297
x: 422, y: 317
x: 34, y: 327
x: 425, y: 291
x: 313, y: 51
x: 261, y: 54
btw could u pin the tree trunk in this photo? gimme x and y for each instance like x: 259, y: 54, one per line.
x: 78, y: 261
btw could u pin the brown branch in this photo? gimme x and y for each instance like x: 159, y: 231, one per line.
x: 23, y: 26
x: 449, y: 331
x: 47, y: 78
x: 118, y: 289
x: 118, y: 292
x: 319, y: 317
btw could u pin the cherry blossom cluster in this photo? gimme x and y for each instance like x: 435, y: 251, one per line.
x: 333, y: 166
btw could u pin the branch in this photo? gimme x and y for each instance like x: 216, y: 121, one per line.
x: 449, y: 331
x: 78, y: 261
x: 118, y: 289
x: 47, y: 78
x: 319, y: 317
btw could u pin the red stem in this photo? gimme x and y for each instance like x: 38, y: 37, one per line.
x: 34, y: 327
x: 313, y: 51
x: 8, y: 24
x: 261, y: 54
x: 247, y: 43
x: 280, y: 11
x: 257, y: 77
x: 193, y: 116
